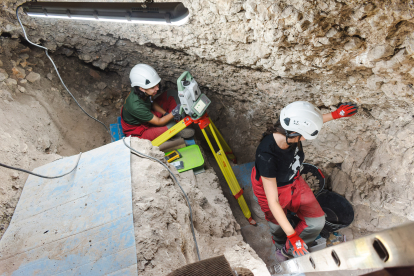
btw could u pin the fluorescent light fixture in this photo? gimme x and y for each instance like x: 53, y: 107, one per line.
x: 173, y: 13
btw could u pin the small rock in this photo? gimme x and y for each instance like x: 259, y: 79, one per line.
x: 118, y: 105
x: 236, y: 247
x: 380, y: 52
x: 11, y: 81
x: 67, y: 52
x: 24, y: 56
x: 15, y: 187
x: 23, y: 81
x: 1, y: 63
x: 14, y: 175
x: 32, y: 77
x: 101, y: 64
x: 158, y: 189
x: 3, y: 76
x: 19, y: 72
x: 332, y: 32
x: 94, y: 74
x: 24, y: 148
x: 352, y: 44
x: 21, y: 88
x: 49, y: 76
x: 102, y: 85
x: 26, y: 50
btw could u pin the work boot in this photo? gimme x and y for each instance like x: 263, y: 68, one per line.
x: 286, y: 253
x: 280, y: 257
x: 187, y: 133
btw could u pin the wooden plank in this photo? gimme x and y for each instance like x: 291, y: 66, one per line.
x: 80, y: 224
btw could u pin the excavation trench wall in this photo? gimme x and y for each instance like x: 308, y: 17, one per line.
x: 253, y: 57
x: 40, y: 123
x: 162, y: 218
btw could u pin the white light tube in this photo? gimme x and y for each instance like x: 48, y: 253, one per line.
x: 168, y: 13
x: 133, y: 21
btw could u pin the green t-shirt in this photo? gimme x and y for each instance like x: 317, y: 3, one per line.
x: 136, y: 110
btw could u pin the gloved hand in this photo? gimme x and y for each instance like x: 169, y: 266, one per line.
x: 345, y: 110
x: 297, y: 244
x: 176, y: 113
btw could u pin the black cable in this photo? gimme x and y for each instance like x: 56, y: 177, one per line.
x: 178, y: 183
x: 47, y: 54
x: 43, y: 176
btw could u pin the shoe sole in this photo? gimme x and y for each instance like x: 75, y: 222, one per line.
x: 286, y: 254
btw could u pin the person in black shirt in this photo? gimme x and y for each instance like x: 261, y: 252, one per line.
x: 276, y: 180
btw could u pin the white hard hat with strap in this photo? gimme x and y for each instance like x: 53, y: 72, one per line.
x: 144, y: 76
x: 303, y: 118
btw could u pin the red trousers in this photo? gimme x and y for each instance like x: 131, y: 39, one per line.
x: 147, y: 130
x: 296, y: 197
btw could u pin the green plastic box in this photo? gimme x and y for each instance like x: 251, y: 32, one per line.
x: 191, y: 157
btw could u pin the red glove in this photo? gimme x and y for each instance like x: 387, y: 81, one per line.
x: 345, y: 110
x: 297, y: 244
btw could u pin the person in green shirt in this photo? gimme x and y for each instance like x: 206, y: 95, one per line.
x: 140, y: 115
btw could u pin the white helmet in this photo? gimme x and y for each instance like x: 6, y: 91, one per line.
x: 303, y: 118
x: 144, y: 76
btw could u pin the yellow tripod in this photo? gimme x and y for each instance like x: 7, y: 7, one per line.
x: 220, y: 156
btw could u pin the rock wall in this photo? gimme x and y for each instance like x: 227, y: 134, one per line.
x: 254, y: 57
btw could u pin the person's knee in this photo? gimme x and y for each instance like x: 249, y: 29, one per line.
x: 315, y: 224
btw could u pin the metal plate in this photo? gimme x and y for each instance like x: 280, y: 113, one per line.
x: 363, y: 253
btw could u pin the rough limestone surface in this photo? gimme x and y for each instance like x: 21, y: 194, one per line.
x: 254, y: 57
x: 163, y: 235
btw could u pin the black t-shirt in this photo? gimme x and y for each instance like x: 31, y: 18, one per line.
x: 274, y: 162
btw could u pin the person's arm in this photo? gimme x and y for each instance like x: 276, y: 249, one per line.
x: 165, y: 119
x: 158, y: 108
x: 327, y: 117
x: 270, y: 187
x: 294, y: 242
x: 161, y: 121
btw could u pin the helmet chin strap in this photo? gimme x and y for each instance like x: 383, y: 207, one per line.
x: 292, y: 144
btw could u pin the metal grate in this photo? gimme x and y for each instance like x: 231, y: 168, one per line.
x: 217, y: 266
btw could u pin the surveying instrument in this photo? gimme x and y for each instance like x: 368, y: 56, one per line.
x: 194, y: 104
